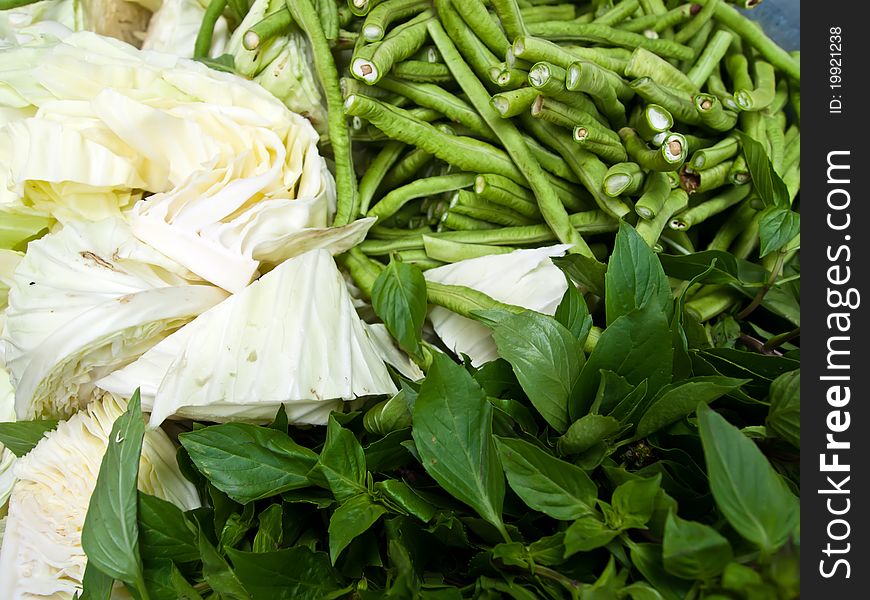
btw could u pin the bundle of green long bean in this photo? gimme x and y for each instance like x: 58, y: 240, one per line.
x: 493, y: 123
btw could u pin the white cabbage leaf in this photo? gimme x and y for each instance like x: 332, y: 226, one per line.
x: 209, y: 168
x: 292, y: 337
x: 174, y: 26
x: 42, y: 554
x: 85, y: 301
x: 7, y: 459
x: 69, y: 13
x: 526, y: 278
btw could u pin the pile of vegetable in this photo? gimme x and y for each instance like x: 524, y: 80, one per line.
x: 434, y: 299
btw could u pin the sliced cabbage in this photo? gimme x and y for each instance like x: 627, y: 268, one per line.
x: 233, y: 176
x: 7, y: 459
x: 292, y: 337
x: 87, y: 300
x: 42, y: 554
x: 526, y: 278
x: 69, y: 13
x: 174, y: 26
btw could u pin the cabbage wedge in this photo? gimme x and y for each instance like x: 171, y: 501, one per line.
x: 526, y: 278
x: 42, y: 555
x: 292, y: 337
x: 85, y: 301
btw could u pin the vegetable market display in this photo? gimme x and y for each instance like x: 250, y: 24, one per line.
x: 434, y: 299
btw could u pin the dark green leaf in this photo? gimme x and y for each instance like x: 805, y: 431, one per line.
x: 642, y: 591
x: 587, y: 533
x: 586, y: 432
x: 21, y: 436
x: 647, y: 558
x: 777, y: 227
x: 404, y: 497
x: 96, y: 585
x: 549, y: 550
x: 453, y: 435
x: 784, y: 418
x: 165, y: 582
x: 351, y: 519
x: 634, y: 277
x: 545, y: 483
x: 271, y: 531
x: 248, y: 462
x: 693, y: 550
x: 634, y: 501
x: 280, y: 422
x: 636, y: 346
x: 628, y: 408
x: 319, y: 498
x: 110, y: 536
x: 517, y: 411
x: 387, y: 453
x: 236, y: 527
x: 584, y: 270
x: 767, y: 183
x: 546, y: 359
x: 679, y: 400
x: 750, y: 365
x: 164, y: 532
x: 750, y: 494
x: 612, y: 389
x: 225, y: 63
x: 217, y: 572
x: 573, y: 313
x: 342, y: 464
x: 497, y: 379
x: 399, y: 299
x: 267, y: 576
x: 511, y: 553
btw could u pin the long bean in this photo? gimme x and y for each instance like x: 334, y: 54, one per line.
x: 755, y: 37
x: 623, y: 178
x: 620, y: 12
x: 670, y: 156
x: 656, y: 189
x: 465, y: 153
x: 437, y: 98
x: 585, y: 164
x: 709, y: 59
x: 723, y: 150
x: 393, y: 201
x: 644, y: 63
x: 548, y: 201
x: 570, y: 117
x: 406, y: 168
x: 477, y: 18
x: 376, y: 171
x: 676, y: 102
x: 479, y: 57
x: 511, y: 17
x: 651, y: 121
x: 379, y: 18
x: 327, y: 12
x: 697, y: 22
x: 535, y: 49
x: 602, y: 34
x: 658, y: 23
x: 450, y: 252
x: 462, y: 223
x: 504, y: 192
x: 710, y: 207
x: 764, y: 92
x: 271, y: 26
x: 303, y: 13
x: 469, y: 204
x: 713, y: 114
x: 202, y: 44
x: 651, y: 229
x: 375, y: 60
x: 514, y: 102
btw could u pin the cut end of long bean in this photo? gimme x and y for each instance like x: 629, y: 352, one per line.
x: 365, y: 70
x: 251, y: 40
x: 539, y: 74
x: 373, y: 33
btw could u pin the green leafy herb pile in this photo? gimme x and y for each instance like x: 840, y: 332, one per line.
x: 641, y: 443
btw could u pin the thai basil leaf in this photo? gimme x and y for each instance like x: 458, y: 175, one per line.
x: 342, y: 464
x: 693, y: 550
x: 750, y: 494
x: 217, y: 572
x: 636, y: 346
x: 784, y: 418
x: 267, y: 576
x: 399, y: 299
x: 351, y: 519
x: 768, y: 184
x: 96, y: 585
x: 110, y: 536
x: 777, y: 227
x: 453, y: 435
x: 554, y: 487
x: 247, y: 462
x: 22, y: 436
x: 573, y: 313
x: 164, y: 532
x: 679, y: 400
x: 271, y: 529
x: 405, y: 498
x: 635, y: 277
x: 587, y: 533
x: 586, y: 432
x: 546, y: 359
x: 633, y: 502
